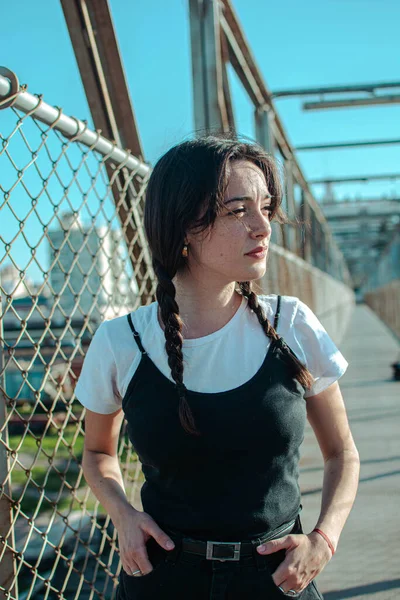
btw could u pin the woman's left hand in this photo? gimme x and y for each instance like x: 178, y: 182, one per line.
x: 306, y: 556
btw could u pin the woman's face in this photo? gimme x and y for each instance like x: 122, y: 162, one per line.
x: 241, y: 226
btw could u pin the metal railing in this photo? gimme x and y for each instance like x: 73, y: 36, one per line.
x: 73, y: 254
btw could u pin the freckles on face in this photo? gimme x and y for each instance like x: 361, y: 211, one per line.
x: 248, y: 198
x: 242, y: 224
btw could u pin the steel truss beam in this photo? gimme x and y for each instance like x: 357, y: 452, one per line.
x: 96, y: 49
x: 356, y: 178
x: 212, y: 103
x: 346, y: 145
x: 352, y: 102
x: 338, y: 89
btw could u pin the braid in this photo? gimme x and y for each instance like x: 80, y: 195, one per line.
x: 245, y: 287
x: 300, y: 372
x: 165, y: 294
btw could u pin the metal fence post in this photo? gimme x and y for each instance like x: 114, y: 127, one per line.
x: 263, y: 125
x: 210, y: 110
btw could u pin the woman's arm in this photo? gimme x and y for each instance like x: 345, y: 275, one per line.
x: 326, y: 413
x: 307, y: 555
x: 103, y: 474
x: 101, y: 465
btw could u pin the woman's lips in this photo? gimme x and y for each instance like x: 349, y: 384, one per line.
x: 259, y: 255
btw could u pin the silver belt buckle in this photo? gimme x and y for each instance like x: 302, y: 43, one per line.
x: 236, y: 550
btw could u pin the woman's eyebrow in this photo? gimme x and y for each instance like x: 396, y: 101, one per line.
x: 246, y: 198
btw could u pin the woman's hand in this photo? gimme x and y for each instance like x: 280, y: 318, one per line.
x: 306, y: 556
x: 133, y: 533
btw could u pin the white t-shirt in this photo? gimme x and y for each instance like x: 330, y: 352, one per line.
x: 217, y: 362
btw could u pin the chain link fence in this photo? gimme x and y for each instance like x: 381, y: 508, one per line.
x: 73, y: 253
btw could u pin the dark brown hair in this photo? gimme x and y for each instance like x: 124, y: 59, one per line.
x: 186, y: 191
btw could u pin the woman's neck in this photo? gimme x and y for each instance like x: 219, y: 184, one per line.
x: 203, y: 312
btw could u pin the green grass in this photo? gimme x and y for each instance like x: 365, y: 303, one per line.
x: 67, y: 456
x: 28, y: 408
x: 66, y: 446
x: 65, y: 505
x: 52, y: 483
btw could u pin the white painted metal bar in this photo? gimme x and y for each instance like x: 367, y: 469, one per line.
x: 72, y: 127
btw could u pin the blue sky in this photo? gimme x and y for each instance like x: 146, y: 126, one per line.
x: 296, y: 44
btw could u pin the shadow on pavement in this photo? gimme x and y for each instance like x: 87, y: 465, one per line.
x: 362, y: 479
x: 363, y: 590
x: 370, y: 461
x: 380, y: 417
x: 370, y: 383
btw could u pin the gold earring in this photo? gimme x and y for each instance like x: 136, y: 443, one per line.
x: 185, y: 251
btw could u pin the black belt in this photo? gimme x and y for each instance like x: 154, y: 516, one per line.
x: 229, y: 550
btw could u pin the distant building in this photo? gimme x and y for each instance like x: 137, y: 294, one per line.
x: 12, y: 283
x: 88, y: 271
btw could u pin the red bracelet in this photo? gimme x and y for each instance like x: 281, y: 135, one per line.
x: 328, y: 541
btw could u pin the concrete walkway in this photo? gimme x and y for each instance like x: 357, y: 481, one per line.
x: 367, y: 562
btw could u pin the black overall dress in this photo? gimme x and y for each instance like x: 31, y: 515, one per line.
x: 237, y: 481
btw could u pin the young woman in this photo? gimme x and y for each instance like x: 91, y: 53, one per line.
x: 216, y: 383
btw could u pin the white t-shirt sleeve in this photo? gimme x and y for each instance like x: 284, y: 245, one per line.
x: 96, y: 388
x: 324, y: 361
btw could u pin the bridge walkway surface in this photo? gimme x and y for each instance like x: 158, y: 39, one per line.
x: 367, y: 562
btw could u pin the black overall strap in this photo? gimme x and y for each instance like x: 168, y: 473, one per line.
x: 136, y: 336
x: 278, y: 312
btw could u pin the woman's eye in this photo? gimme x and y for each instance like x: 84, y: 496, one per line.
x: 241, y: 210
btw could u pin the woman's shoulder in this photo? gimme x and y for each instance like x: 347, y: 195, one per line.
x: 110, y: 361
x: 142, y: 317
x: 289, y: 309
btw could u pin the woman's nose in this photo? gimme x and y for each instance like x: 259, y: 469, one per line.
x: 260, y: 226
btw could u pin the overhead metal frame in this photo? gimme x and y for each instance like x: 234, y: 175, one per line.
x: 352, y: 102
x: 217, y: 39
x: 360, y: 200
x: 356, y: 178
x: 337, y: 89
x: 339, y: 145
x: 268, y: 124
x: 216, y: 21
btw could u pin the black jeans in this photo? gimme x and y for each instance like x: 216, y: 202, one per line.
x: 179, y: 575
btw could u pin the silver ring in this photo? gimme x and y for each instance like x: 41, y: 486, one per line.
x: 135, y: 573
x: 289, y: 592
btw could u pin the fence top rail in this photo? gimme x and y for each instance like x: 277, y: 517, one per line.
x: 70, y: 127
